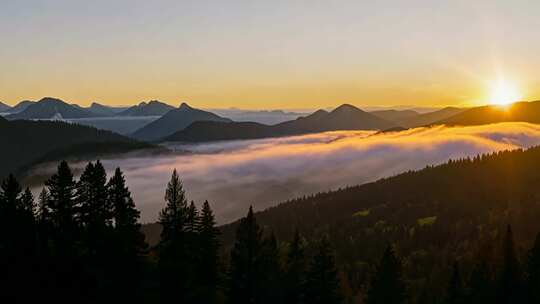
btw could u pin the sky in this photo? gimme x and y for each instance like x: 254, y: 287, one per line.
x: 268, y: 54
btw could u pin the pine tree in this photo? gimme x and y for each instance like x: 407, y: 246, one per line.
x: 192, y: 219
x: 26, y: 216
x: 387, y: 286
x: 17, y: 241
x: 509, y: 289
x: 129, y: 238
x: 533, y: 272
x: 10, y: 193
x: 175, y: 260
x: 245, y: 270
x: 62, y: 205
x: 208, y: 264
x: 43, y: 214
x: 95, y: 210
x: 28, y: 205
x: 295, y: 274
x: 322, y: 283
x: 454, y: 293
x: 173, y: 217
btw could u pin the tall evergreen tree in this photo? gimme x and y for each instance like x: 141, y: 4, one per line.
x: 28, y: 205
x: 66, y: 237
x: 322, y: 283
x: 192, y: 219
x: 10, y: 195
x: 509, y: 289
x: 129, y: 238
x: 533, y: 272
x: 17, y: 241
x: 295, y: 271
x: 62, y: 205
x: 43, y: 214
x: 245, y: 275
x: 455, y: 292
x: 175, y: 260
x: 387, y: 286
x: 95, y: 208
x: 10, y: 192
x: 208, y: 268
x: 173, y: 218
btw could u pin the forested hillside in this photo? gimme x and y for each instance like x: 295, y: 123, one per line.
x: 440, y: 235
x: 456, y: 211
x: 26, y: 142
x: 519, y: 111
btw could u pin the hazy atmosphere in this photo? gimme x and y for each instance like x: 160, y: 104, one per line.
x: 267, y: 55
x: 234, y: 175
x: 270, y: 152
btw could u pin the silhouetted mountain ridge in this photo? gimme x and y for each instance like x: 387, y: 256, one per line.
x: 52, y: 108
x: 174, y: 121
x: 26, y: 142
x: 344, y: 117
x: 4, y: 107
x: 412, y: 119
x: 517, y: 112
x: 152, y: 108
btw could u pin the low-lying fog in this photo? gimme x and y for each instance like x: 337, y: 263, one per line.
x: 232, y: 175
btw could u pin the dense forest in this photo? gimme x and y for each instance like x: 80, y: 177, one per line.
x: 25, y: 143
x: 463, y: 232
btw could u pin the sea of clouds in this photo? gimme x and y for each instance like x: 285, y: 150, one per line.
x: 235, y: 174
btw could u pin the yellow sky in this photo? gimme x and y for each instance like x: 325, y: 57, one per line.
x: 280, y: 54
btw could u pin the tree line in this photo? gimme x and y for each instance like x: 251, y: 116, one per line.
x: 81, y: 241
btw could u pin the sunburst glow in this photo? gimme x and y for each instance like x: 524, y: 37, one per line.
x: 504, y: 93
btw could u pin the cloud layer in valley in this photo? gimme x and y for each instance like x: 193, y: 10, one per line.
x: 233, y: 175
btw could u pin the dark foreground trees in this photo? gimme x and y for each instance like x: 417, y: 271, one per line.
x: 82, y: 242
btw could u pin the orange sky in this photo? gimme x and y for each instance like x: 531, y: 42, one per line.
x: 279, y: 54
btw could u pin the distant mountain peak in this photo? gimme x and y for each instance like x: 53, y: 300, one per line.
x: 50, y: 100
x: 184, y: 106
x: 346, y: 108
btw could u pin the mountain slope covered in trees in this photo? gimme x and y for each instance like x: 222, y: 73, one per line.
x: 412, y: 119
x: 345, y: 117
x: 26, y: 142
x: 458, y: 210
x: 520, y: 111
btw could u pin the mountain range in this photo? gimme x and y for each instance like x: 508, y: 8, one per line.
x: 344, y: 117
x: 173, y: 121
x: 21, y: 106
x: 104, y: 110
x: 413, y: 119
x: 151, y: 108
x: 51, y: 108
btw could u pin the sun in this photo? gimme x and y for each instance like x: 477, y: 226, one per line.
x: 504, y: 93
